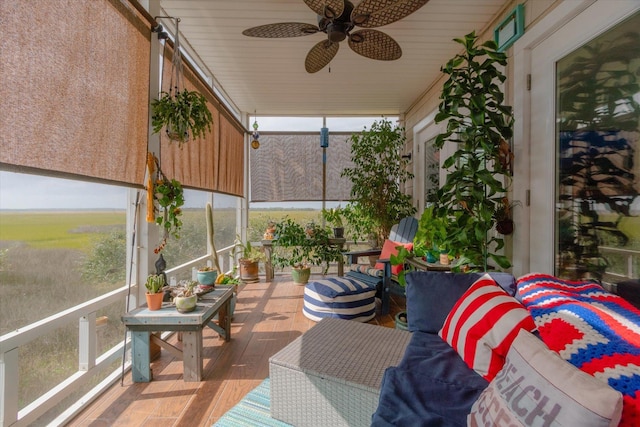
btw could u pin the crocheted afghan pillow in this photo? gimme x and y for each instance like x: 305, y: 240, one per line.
x: 594, y: 330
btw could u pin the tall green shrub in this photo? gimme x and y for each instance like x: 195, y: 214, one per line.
x: 106, y: 263
x: 377, y: 177
x: 480, y: 125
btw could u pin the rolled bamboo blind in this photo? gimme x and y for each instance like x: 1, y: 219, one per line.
x: 288, y: 167
x: 214, y: 162
x: 74, y: 88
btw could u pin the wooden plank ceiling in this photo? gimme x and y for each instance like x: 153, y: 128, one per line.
x: 267, y: 76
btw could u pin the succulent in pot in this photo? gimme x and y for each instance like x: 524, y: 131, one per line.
x: 154, y: 295
x: 249, y: 259
x: 186, y: 300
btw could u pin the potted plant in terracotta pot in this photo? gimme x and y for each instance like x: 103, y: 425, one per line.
x: 154, y: 295
x: 249, y: 260
x: 302, y: 247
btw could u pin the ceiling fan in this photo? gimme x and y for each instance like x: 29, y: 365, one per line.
x: 337, y: 19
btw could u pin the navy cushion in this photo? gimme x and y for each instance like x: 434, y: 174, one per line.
x: 432, y: 294
x: 432, y: 386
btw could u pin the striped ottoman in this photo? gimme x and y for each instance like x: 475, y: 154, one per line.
x: 339, y: 297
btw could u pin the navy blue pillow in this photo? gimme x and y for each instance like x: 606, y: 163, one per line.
x: 432, y: 294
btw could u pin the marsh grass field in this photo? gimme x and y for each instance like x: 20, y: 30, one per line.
x: 43, y: 261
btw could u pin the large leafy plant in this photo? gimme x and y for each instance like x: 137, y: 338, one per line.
x: 377, y: 177
x: 480, y: 125
x: 301, y: 247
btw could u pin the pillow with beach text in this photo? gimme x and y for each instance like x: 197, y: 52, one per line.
x: 536, y: 387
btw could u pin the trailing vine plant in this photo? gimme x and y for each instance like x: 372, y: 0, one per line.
x: 165, y: 198
x: 480, y: 125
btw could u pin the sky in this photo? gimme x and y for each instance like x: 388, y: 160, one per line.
x: 22, y: 191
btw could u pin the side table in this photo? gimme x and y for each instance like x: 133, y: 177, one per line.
x: 142, y: 321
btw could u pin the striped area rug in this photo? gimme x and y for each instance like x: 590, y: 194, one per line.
x: 252, y: 411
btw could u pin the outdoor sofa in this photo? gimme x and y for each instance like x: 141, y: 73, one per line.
x: 518, y: 379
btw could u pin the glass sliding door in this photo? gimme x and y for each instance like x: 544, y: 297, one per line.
x: 597, y: 208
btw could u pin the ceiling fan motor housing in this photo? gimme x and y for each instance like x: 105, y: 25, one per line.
x: 338, y: 28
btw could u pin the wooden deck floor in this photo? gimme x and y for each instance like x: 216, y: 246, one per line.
x: 268, y: 316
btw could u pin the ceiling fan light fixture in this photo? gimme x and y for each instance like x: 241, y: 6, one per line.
x: 329, y: 13
x: 337, y: 18
x: 356, y: 38
x: 337, y: 32
x: 360, y: 19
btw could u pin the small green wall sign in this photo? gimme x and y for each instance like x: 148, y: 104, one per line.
x: 510, y: 29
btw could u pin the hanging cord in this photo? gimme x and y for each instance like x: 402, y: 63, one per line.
x: 176, y: 64
x: 133, y: 246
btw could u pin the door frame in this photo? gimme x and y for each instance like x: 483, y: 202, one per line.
x: 564, y: 29
x: 423, y: 131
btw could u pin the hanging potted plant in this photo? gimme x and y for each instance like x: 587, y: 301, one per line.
x: 182, y: 113
x: 165, y: 198
x: 504, y: 216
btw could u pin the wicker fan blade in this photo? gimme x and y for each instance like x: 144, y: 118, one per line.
x: 375, y: 45
x: 328, y: 8
x: 281, y: 30
x: 320, y: 55
x: 376, y: 13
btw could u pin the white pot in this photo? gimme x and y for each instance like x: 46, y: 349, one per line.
x: 185, y: 304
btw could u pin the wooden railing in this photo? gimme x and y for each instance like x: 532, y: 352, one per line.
x: 631, y: 257
x: 90, y: 363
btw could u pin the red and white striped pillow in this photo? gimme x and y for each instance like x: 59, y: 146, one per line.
x: 483, y: 324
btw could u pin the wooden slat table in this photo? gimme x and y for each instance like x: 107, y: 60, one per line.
x: 268, y: 249
x: 141, y: 322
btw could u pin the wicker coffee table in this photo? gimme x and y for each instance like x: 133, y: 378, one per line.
x: 331, y: 375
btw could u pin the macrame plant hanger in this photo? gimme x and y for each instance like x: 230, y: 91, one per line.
x: 176, y: 79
